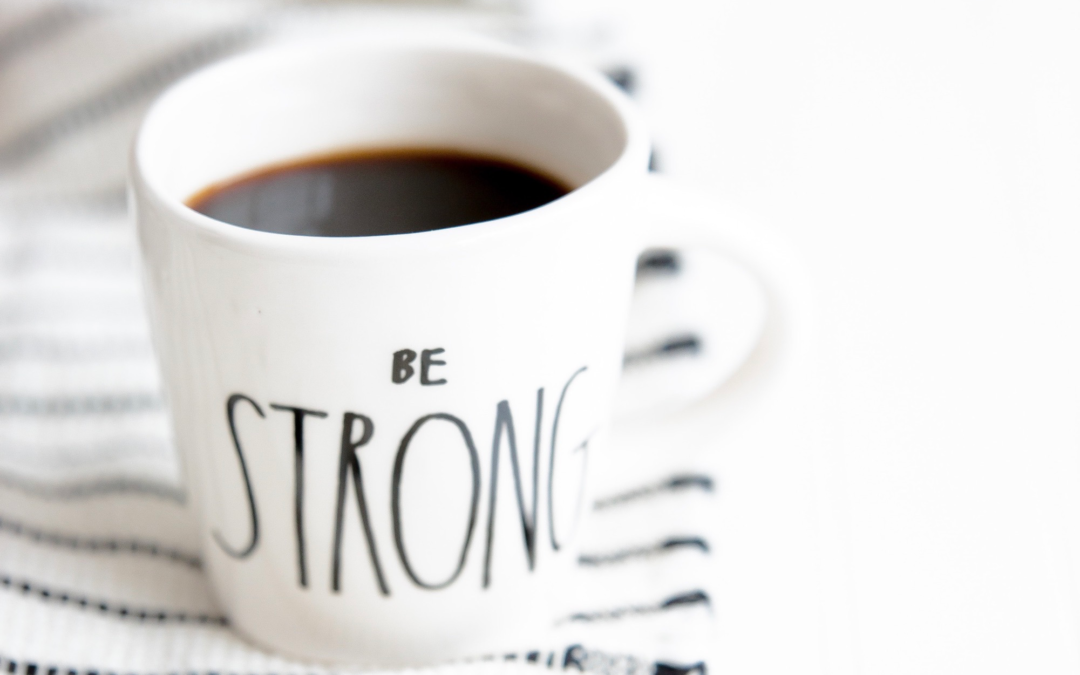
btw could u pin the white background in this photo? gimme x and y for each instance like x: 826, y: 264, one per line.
x: 925, y: 159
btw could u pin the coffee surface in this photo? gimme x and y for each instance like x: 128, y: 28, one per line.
x: 377, y: 192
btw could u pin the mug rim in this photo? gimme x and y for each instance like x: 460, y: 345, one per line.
x: 632, y: 158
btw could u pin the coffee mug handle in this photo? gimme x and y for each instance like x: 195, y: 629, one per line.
x: 713, y: 291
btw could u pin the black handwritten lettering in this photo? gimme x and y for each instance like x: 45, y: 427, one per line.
x: 358, y: 431
x: 351, y: 461
x: 426, y: 362
x: 505, y: 420
x: 298, y: 485
x: 402, y: 369
x: 551, y: 459
x: 230, y: 407
x: 395, y: 498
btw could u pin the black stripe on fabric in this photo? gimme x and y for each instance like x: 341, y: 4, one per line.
x: 125, y: 92
x: 677, y: 345
x: 95, y: 545
x: 624, y: 77
x: 575, y: 658
x: 119, y: 610
x: 96, y: 488
x: 43, y: 26
x: 677, y: 483
x: 659, y: 262
x: 665, y: 546
x: 671, y: 669
x: 682, y: 600
x: 104, y: 404
x: 580, y: 659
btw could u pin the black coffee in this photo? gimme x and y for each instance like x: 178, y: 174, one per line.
x: 377, y: 192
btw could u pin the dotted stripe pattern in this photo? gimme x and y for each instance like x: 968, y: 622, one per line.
x: 107, y: 487
x: 124, y: 93
x: 166, y: 553
x: 114, y: 609
x: 108, y: 546
x: 574, y: 657
x: 104, y: 404
x: 41, y: 27
x: 163, y: 616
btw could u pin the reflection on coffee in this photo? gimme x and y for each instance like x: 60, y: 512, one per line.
x: 365, y: 193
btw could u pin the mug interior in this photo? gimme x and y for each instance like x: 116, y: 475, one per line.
x: 268, y: 107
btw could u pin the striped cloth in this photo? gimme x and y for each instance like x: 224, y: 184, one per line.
x: 99, y: 566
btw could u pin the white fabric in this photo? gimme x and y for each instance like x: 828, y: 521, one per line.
x: 99, y: 571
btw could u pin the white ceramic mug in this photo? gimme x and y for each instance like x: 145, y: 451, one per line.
x: 386, y: 438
